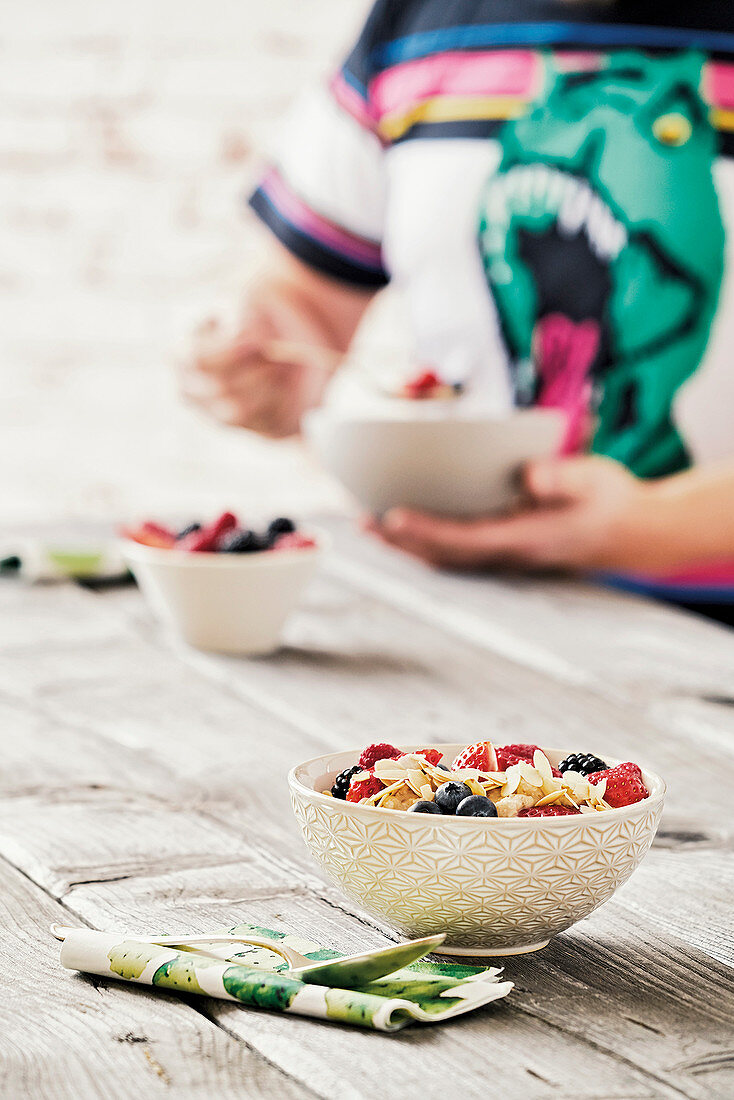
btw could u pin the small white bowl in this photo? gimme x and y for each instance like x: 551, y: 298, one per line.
x: 230, y: 603
x: 495, y: 886
x: 452, y: 464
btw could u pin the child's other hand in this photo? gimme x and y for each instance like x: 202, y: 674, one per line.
x: 583, y: 513
x: 239, y: 381
x: 248, y: 381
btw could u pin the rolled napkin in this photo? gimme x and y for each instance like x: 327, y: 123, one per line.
x: 424, y: 992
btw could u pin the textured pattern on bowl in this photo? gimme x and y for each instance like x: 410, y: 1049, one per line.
x: 494, y: 886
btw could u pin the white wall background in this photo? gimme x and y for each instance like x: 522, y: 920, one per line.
x: 129, y: 132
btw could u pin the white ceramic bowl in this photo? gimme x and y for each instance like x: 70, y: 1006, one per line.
x: 231, y: 603
x: 495, y: 886
x: 452, y: 465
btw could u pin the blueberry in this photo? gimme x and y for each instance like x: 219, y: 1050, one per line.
x: 585, y: 763
x: 476, y: 805
x: 245, y: 542
x: 281, y: 526
x: 449, y: 795
x: 188, y: 530
x: 423, y: 806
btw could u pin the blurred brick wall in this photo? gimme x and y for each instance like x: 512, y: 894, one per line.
x: 129, y: 132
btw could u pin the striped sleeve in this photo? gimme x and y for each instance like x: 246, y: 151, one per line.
x: 323, y: 196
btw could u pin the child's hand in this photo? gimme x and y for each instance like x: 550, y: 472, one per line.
x: 243, y: 382
x: 583, y: 513
x: 248, y: 381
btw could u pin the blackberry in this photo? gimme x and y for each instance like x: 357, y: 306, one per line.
x: 188, y: 531
x: 281, y: 526
x: 585, y: 763
x: 245, y: 542
x: 342, y: 781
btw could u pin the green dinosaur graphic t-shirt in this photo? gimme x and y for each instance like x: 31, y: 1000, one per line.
x: 551, y: 186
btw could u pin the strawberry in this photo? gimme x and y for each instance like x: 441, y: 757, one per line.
x: 624, y: 784
x: 208, y: 538
x: 363, y: 788
x: 381, y: 751
x: 548, y: 811
x: 151, y: 534
x: 294, y: 540
x: 433, y: 756
x: 481, y: 755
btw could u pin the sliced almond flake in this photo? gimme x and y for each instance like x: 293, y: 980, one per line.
x: 475, y: 786
x: 375, y: 798
x: 390, y: 768
x: 541, y: 763
x: 587, y: 809
x: 552, y: 784
x: 514, y: 775
x: 551, y: 799
x: 415, y: 775
x: 530, y: 774
x: 426, y: 792
x: 599, y: 788
x: 576, y: 783
x: 435, y: 774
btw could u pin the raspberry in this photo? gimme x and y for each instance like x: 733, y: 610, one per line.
x: 363, y: 788
x: 548, y: 811
x: 433, y: 756
x: 480, y: 755
x: 373, y: 753
x: 624, y: 784
x: 513, y: 754
x: 294, y: 540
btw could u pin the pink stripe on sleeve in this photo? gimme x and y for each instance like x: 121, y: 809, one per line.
x: 293, y: 209
x: 719, y: 84
x: 512, y: 73
x: 352, y: 102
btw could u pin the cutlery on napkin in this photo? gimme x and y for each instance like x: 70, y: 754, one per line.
x: 379, y: 989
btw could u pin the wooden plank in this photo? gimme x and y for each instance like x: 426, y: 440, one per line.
x: 587, y: 633
x: 198, y: 738
x: 101, y: 836
x: 64, y: 1037
x: 535, y: 1053
x: 43, y: 753
x: 612, y: 983
x: 208, y: 831
x: 395, y: 678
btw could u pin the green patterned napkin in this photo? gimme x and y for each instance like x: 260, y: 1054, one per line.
x: 425, y: 992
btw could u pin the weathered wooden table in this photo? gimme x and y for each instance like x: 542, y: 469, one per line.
x: 142, y: 786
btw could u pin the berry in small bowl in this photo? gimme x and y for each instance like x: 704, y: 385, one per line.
x: 223, y: 586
